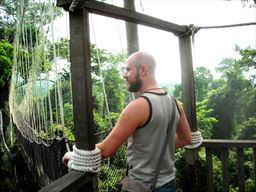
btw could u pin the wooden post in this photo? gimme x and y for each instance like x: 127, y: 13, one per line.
x: 82, y: 83
x: 132, y: 37
x: 254, y: 165
x: 81, y: 80
x: 209, y: 169
x: 240, y: 169
x: 131, y: 30
x: 188, y: 90
x: 188, y: 84
x: 224, y: 161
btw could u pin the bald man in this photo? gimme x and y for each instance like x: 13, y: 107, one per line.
x: 143, y: 123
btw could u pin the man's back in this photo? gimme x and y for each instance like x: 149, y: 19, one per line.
x: 145, y: 145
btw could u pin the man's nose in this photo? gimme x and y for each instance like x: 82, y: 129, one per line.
x: 125, y: 75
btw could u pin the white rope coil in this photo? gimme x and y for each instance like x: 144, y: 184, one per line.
x: 86, y: 161
x: 196, y: 140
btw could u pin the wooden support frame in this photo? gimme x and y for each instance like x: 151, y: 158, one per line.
x: 131, y: 30
x: 81, y: 77
x: 225, y: 146
x: 225, y: 167
x: 128, y: 15
x: 81, y: 80
x: 209, y: 168
x: 240, y: 169
x: 188, y: 84
x: 82, y: 103
x: 74, y: 181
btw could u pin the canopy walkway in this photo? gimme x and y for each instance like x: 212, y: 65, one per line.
x: 32, y: 110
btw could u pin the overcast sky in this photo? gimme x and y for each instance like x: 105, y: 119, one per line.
x: 211, y: 45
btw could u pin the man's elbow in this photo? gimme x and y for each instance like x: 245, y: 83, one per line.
x: 105, y: 151
x: 188, y: 140
x: 182, y: 141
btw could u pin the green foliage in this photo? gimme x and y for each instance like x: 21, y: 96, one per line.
x: 203, y: 81
x: 106, y: 70
x: 225, y: 109
x: 114, y: 90
x: 6, y: 56
x: 247, y: 129
x: 114, y: 168
x: 223, y: 105
x: 205, y: 121
x: 227, y: 99
x: 249, y: 185
x: 60, y: 48
x: 196, y: 174
x: 68, y: 115
x: 169, y: 87
x: 13, y: 11
x: 248, y: 167
x: 248, y: 60
x: 178, y: 92
x: 6, y: 184
x: 8, y: 19
x: 107, y: 172
x: 58, y: 131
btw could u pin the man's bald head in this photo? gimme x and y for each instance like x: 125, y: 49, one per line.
x: 140, y: 58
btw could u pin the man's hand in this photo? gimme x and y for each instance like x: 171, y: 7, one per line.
x: 66, y: 158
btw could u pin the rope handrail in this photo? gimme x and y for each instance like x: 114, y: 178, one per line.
x: 227, y: 26
x: 193, y: 29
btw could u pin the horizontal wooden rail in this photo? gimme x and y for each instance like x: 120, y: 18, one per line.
x: 225, y: 146
x: 74, y: 181
x: 217, y: 143
x: 108, y: 10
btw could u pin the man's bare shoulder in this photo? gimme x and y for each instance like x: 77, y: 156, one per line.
x: 137, y: 105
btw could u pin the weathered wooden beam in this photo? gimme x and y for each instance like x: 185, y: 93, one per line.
x: 188, y: 84
x: 132, y: 38
x: 220, y: 143
x: 81, y: 80
x: 224, y: 161
x: 64, y: 4
x: 131, y: 30
x: 132, y: 16
x: 188, y: 91
x: 72, y: 182
x: 254, y: 164
x: 128, y: 15
x: 80, y: 58
x: 209, y: 170
x: 240, y: 169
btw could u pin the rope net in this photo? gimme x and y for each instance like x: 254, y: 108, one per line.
x: 35, y: 86
x: 35, y: 98
x: 40, y: 98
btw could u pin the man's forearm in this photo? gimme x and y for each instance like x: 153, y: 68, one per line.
x: 180, y: 143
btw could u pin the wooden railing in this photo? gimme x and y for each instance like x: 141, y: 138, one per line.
x: 70, y: 182
x: 224, y: 146
x: 74, y: 181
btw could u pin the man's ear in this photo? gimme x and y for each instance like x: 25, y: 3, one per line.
x: 143, y: 69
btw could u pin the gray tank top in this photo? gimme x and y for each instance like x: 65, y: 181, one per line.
x: 145, y: 145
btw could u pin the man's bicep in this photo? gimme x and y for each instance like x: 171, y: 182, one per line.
x: 127, y: 123
x: 130, y: 118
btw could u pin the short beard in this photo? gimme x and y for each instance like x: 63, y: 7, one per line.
x: 135, y: 87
